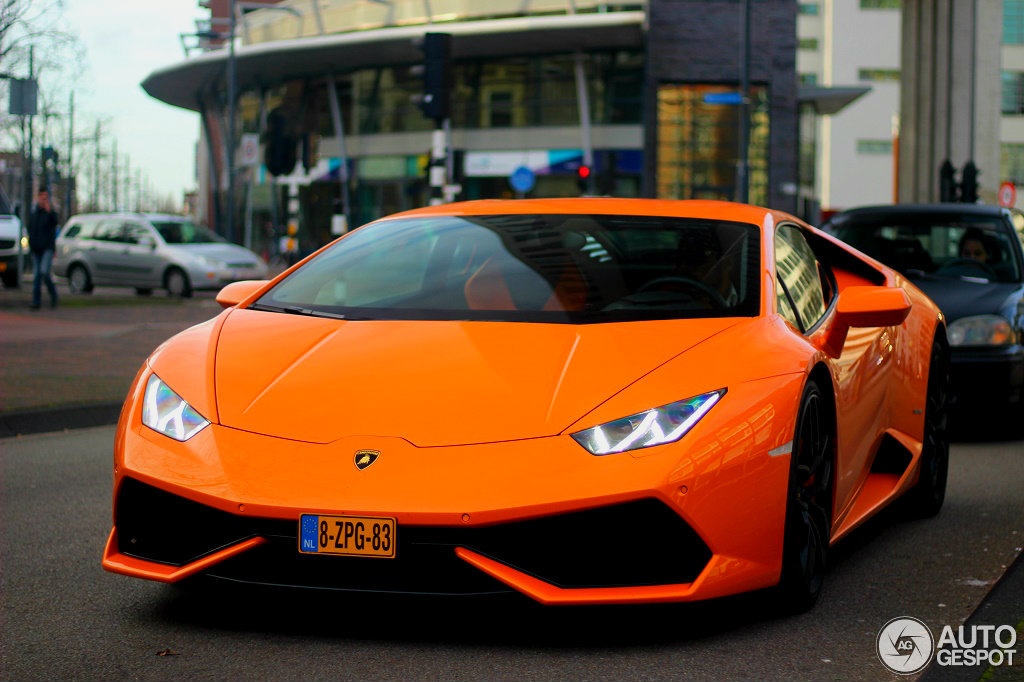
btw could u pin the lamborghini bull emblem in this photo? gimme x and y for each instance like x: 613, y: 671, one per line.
x: 365, y: 458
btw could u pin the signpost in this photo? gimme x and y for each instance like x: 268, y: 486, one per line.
x: 249, y: 150
x: 1007, y: 195
x: 522, y: 179
x: 723, y: 98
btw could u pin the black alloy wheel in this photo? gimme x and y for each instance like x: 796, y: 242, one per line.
x: 926, y: 497
x: 808, y: 504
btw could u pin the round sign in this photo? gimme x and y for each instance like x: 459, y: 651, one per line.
x: 1007, y: 194
x: 522, y: 179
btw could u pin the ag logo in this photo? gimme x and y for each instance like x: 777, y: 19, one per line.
x: 905, y: 645
x: 365, y: 458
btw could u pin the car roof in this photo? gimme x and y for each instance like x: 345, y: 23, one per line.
x: 711, y: 210
x: 923, y: 209
x: 129, y: 214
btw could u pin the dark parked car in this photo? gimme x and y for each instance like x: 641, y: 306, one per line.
x: 969, y: 260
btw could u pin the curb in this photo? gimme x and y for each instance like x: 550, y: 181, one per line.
x: 1003, y: 605
x: 58, y: 419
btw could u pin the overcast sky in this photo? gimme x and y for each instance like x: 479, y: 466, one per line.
x: 125, y: 40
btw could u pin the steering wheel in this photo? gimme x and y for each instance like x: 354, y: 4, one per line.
x: 970, y: 263
x: 716, y: 298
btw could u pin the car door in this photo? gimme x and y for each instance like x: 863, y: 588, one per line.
x: 139, y: 260
x: 807, y: 292
x: 102, y: 251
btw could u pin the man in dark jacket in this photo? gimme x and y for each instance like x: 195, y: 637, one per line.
x: 42, y: 242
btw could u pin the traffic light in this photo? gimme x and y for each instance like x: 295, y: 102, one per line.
x: 583, y: 178
x: 948, y: 187
x: 310, y: 151
x: 437, y: 75
x: 279, y: 156
x: 969, y: 184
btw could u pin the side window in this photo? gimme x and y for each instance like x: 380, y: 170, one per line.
x: 71, y: 231
x: 797, y: 269
x: 87, y: 230
x: 137, y: 234
x: 784, y: 307
x: 108, y: 231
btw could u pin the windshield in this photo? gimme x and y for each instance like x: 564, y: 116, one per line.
x: 531, y: 268
x: 185, y: 232
x: 971, y: 247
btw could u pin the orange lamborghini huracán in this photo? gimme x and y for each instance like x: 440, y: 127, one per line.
x: 587, y: 401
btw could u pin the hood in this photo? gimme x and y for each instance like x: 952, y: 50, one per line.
x: 10, y: 227
x: 432, y: 383
x: 229, y: 253
x: 958, y: 298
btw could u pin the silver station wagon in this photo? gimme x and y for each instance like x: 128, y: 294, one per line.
x: 149, y: 251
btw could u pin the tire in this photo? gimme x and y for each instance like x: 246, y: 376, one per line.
x: 926, y: 497
x: 143, y: 291
x: 10, y: 278
x: 79, y: 279
x: 808, y: 504
x: 177, y: 284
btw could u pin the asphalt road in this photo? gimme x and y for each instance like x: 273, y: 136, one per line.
x: 61, y: 616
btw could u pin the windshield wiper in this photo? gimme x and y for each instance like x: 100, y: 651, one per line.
x: 299, y: 310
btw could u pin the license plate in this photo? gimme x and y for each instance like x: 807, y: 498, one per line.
x: 370, y: 536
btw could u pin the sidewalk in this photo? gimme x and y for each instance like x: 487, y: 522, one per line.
x: 72, y: 366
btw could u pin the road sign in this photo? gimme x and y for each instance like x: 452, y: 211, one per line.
x: 249, y: 150
x: 723, y: 98
x: 1007, y: 194
x: 24, y: 96
x: 522, y: 179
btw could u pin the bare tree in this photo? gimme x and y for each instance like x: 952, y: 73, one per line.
x: 32, y: 22
x: 39, y: 28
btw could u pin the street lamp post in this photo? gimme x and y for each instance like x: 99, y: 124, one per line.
x: 229, y: 222
x: 743, y: 166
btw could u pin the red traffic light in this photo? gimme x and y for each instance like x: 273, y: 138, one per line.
x: 583, y: 171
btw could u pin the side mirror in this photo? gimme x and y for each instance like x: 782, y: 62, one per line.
x: 864, y: 307
x: 148, y: 242
x: 236, y: 292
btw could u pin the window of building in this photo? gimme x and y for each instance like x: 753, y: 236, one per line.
x: 697, y: 143
x: 880, y: 4
x: 874, y: 146
x: 808, y: 79
x: 1013, y: 92
x: 1013, y: 22
x: 808, y: 44
x: 878, y: 75
x: 808, y: 150
x: 1011, y: 161
x: 499, y: 93
x: 808, y: 8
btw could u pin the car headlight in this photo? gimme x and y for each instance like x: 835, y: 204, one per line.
x: 210, y: 262
x: 164, y: 411
x: 665, y: 424
x: 981, y: 330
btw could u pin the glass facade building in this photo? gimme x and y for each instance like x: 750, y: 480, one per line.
x: 521, y: 70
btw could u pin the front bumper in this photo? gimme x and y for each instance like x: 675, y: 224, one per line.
x: 984, y: 377
x: 202, y: 278
x: 697, y: 519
